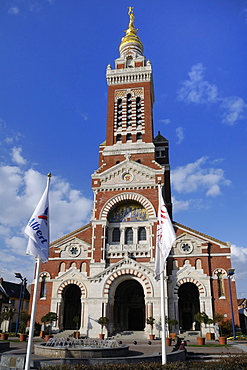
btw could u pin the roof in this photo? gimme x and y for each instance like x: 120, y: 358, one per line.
x: 70, y: 234
x: 201, y: 234
x: 12, y: 290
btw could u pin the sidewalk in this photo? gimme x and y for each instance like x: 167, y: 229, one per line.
x: 147, y: 348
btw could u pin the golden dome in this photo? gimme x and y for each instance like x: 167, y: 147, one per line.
x: 131, y: 33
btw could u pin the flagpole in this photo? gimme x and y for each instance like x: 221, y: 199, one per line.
x: 33, y: 315
x: 38, y: 232
x: 163, y: 318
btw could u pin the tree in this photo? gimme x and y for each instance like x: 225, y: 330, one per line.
x: 6, y: 315
x: 218, y: 318
x: 49, y: 318
x: 202, y: 318
x: 76, y: 321
x: 103, y: 321
x: 150, y: 321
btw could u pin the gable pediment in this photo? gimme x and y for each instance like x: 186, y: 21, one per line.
x: 125, y: 262
x: 73, y: 248
x: 186, y: 244
x: 128, y: 172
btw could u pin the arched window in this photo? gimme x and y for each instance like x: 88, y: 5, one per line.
x: 186, y: 262
x: 129, y: 62
x: 119, y: 112
x: 116, y: 235
x: 198, y: 264
x: 175, y: 265
x: 119, y: 138
x: 129, y: 110
x: 142, y: 234
x: 62, y: 267
x: 221, y: 287
x: 73, y: 264
x: 139, y: 136
x: 128, y: 235
x: 83, y: 267
x: 43, y: 287
x: 128, y: 137
x: 138, y: 112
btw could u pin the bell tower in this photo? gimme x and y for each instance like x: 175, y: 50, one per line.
x: 131, y: 161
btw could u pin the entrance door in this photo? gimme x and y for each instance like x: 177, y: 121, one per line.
x: 72, y: 307
x: 188, y: 305
x: 129, y: 306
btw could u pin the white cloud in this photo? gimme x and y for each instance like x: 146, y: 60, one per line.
x: 14, y: 10
x: 20, y: 192
x: 195, y: 177
x: 234, y: 108
x: 84, y: 116
x: 180, y: 205
x: 196, y: 89
x: 166, y: 121
x: 180, y: 134
x: 17, y: 157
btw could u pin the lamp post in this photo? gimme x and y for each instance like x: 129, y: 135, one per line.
x: 22, y: 292
x: 230, y: 273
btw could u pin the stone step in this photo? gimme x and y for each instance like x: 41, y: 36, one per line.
x: 141, y: 335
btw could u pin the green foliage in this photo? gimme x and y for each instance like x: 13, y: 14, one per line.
x: 103, y: 321
x: 49, y: 318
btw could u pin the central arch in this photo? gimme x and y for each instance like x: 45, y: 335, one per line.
x: 188, y: 304
x: 129, y: 306
x: 72, y: 306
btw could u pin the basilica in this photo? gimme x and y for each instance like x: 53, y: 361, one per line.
x: 106, y: 268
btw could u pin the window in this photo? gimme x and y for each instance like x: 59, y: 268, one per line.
x: 198, y: 264
x: 139, y: 136
x: 116, y: 235
x: 175, y: 265
x: 62, y: 267
x: 43, y: 287
x: 83, y: 267
x: 138, y: 112
x: 128, y: 235
x: 142, y: 234
x: 129, y: 110
x: 119, y: 113
x: 221, y: 288
x: 129, y: 137
x: 119, y: 138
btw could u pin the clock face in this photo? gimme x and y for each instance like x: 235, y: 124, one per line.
x: 127, y: 177
x: 74, y: 250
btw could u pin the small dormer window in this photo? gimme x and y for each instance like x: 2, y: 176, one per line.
x: 129, y: 62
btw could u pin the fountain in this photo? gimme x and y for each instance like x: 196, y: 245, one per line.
x: 81, y: 348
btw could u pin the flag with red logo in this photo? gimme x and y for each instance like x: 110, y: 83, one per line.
x: 38, y: 228
x: 165, y: 236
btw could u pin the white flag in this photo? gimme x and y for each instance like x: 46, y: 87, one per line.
x: 38, y: 228
x: 165, y: 236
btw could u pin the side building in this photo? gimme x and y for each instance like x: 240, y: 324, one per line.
x: 106, y: 268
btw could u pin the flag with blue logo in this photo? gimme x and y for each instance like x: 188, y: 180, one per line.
x: 38, y: 228
x: 165, y: 236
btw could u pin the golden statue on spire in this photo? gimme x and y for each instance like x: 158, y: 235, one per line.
x: 131, y: 28
x: 131, y: 33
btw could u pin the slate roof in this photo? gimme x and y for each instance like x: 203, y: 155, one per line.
x: 12, y: 290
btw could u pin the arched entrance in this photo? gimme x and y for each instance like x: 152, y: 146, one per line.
x: 129, y: 306
x: 72, y: 306
x: 188, y: 305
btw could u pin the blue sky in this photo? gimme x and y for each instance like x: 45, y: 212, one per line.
x: 53, y: 98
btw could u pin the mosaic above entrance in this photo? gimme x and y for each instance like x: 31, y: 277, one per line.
x: 128, y: 212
